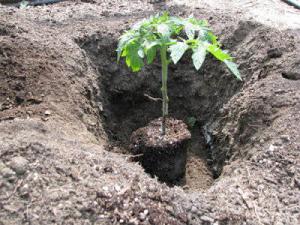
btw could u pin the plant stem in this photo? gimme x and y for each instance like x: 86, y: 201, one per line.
x: 164, y: 88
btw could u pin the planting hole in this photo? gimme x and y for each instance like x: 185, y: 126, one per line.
x: 131, y: 100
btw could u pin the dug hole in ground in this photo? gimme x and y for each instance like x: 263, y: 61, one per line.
x: 67, y: 110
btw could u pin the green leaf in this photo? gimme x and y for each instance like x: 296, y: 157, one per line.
x: 139, y: 24
x: 151, y: 53
x: 163, y: 18
x: 150, y: 44
x: 233, y: 68
x: 199, y: 56
x: 133, y: 60
x: 177, y: 50
x: 177, y: 20
x: 141, y: 53
x: 171, y: 42
x: 211, y: 38
x: 151, y: 49
x: 125, y: 38
x: 164, y: 29
x: 218, y: 53
x: 190, y: 30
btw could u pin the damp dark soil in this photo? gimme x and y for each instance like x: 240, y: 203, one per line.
x: 162, y: 155
x: 67, y: 111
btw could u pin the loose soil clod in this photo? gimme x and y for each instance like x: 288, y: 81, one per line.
x: 162, y: 155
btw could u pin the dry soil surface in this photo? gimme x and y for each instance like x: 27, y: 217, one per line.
x: 60, y: 90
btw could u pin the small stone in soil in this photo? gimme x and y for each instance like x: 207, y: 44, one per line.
x: 207, y: 219
x: 8, y: 173
x: 24, y: 190
x: 19, y: 164
x: 47, y: 112
x: 274, y: 53
x: 291, y: 75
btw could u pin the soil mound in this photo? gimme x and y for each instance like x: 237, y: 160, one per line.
x: 67, y: 109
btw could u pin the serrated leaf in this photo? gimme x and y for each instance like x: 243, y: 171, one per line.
x: 125, y: 38
x: 150, y: 54
x: 199, y: 56
x: 133, y: 60
x: 190, y: 30
x: 218, y: 53
x: 233, y: 68
x: 151, y: 49
x: 148, y: 36
x: 177, y: 50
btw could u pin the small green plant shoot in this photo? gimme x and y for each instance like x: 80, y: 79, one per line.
x: 171, y: 37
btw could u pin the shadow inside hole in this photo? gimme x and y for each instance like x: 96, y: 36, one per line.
x: 126, y: 108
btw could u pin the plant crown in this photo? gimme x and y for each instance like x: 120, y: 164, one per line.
x: 145, y: 38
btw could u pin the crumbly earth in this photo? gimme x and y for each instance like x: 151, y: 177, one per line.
x: 56, y: 117
x: 162, y: 155
x: 150, y: 135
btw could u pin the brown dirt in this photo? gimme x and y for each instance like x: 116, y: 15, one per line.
x: 150, y: 136
x: 64, y: 101
x: 199, y: 172
x: 162, y: 155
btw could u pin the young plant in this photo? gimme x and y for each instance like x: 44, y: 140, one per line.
x: 171, y: 37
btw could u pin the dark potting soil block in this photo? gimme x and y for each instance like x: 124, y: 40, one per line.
x: 162, y: 156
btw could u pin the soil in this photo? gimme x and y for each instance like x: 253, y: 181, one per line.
x: 200, y: 173
x: 67, y: 111
x: 150, y: 136
x: 165, y: 155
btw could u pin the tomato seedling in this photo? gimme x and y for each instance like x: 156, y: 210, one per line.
x: 171, y: 37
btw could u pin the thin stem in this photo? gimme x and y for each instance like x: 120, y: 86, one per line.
x: 164, y: 88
